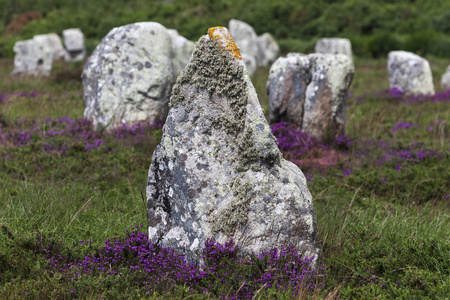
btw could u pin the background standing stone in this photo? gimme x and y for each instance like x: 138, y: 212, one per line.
x: 74, y: 42
x: 217, y: 172
x: 286, y: 86
x: 334, y: 46
x: 445, y: 81
x: 182, y: 50
x: 326, y: 94
x: 129, y: 75
x: 33, y: 57
x: 410, y: 73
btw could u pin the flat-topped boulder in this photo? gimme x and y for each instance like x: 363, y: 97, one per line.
x: 129, y: 76
x: 410, y: 73
x: 74, y: 43
x: 334, y: 46
x: 33, y: 57
x: 217, y: 172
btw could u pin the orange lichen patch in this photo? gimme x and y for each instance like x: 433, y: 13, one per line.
x: 222, y: 36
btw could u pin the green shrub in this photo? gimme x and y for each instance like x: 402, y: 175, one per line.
x: 380, y: 44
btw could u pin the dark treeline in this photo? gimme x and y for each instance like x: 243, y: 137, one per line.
x: 374, y: 26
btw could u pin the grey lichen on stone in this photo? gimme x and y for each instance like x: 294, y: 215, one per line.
x: 212, y: 70
x: 235, y: 214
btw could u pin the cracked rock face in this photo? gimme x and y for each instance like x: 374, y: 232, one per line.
x: 286, y: 86
x: 410, y: 73
x: 310, y: 91
x: 217, y: 172
x: 129, y: 76
x: 326, y: 94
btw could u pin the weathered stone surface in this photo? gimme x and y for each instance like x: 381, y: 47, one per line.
x: 410, y: 73
x: 129, y: 75
x: 334, y: 46
x: 268, y: 49
x: 326, y: 94
x: 33, y: 57
x: 445, y: 81
x: 51, y: 44
x: 286, y: 86
x: 59, y: 53
x: 182, y: 49
x: 217, y: 172
x: 74, y: 42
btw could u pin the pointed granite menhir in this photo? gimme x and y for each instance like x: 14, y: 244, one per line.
x: 218, y: 172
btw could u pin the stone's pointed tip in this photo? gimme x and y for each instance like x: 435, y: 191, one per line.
x: 223, y: 37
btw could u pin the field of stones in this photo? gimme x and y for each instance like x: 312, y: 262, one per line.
x: 321, y: 175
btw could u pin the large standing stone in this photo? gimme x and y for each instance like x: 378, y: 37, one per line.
x: 326, y: 94
x: 33, y: 57
x: 286, y: 86
x: 410, y: 73
x: 182, y: 49
x: 74, y: 42
x: 268, y: 49
x: 334, y: 46
x: 217, y: 172
x: 445, y: 81
x: 129, y: 76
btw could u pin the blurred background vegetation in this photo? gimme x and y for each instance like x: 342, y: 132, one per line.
x: 374, y: 27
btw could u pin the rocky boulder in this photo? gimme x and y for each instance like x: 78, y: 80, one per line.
x: 217, y: 172
x: 334, y: 46
x: 182, y: 49
x: 129, y: 76
x: 445, y: 81
x: 286, y: 86
x: 268, y: 49
x: 409, y: 73
x: 33, y: 57
x: 310, y: 92
x: 326, y: 94
x: 74, y: 42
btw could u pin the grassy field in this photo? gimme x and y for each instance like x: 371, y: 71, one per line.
x: 72, y: 201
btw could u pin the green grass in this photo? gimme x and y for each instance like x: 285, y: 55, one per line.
x: 399, y: 230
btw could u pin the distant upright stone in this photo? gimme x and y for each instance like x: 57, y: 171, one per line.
x: 52, y: 44
x: 246, y: 39
x: 217, y: 172
x: 334, y: 46
x: 410, y: 73
x: 59, y: 53
x: 74, y: 42
x: 445, y: 81
x: 326, y: 94
x: 250, y: 63
x: 286, y: 86
x: 129, y: 76
x: 182, y: 49
x: 33, y: 57
x: 268, y: 49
